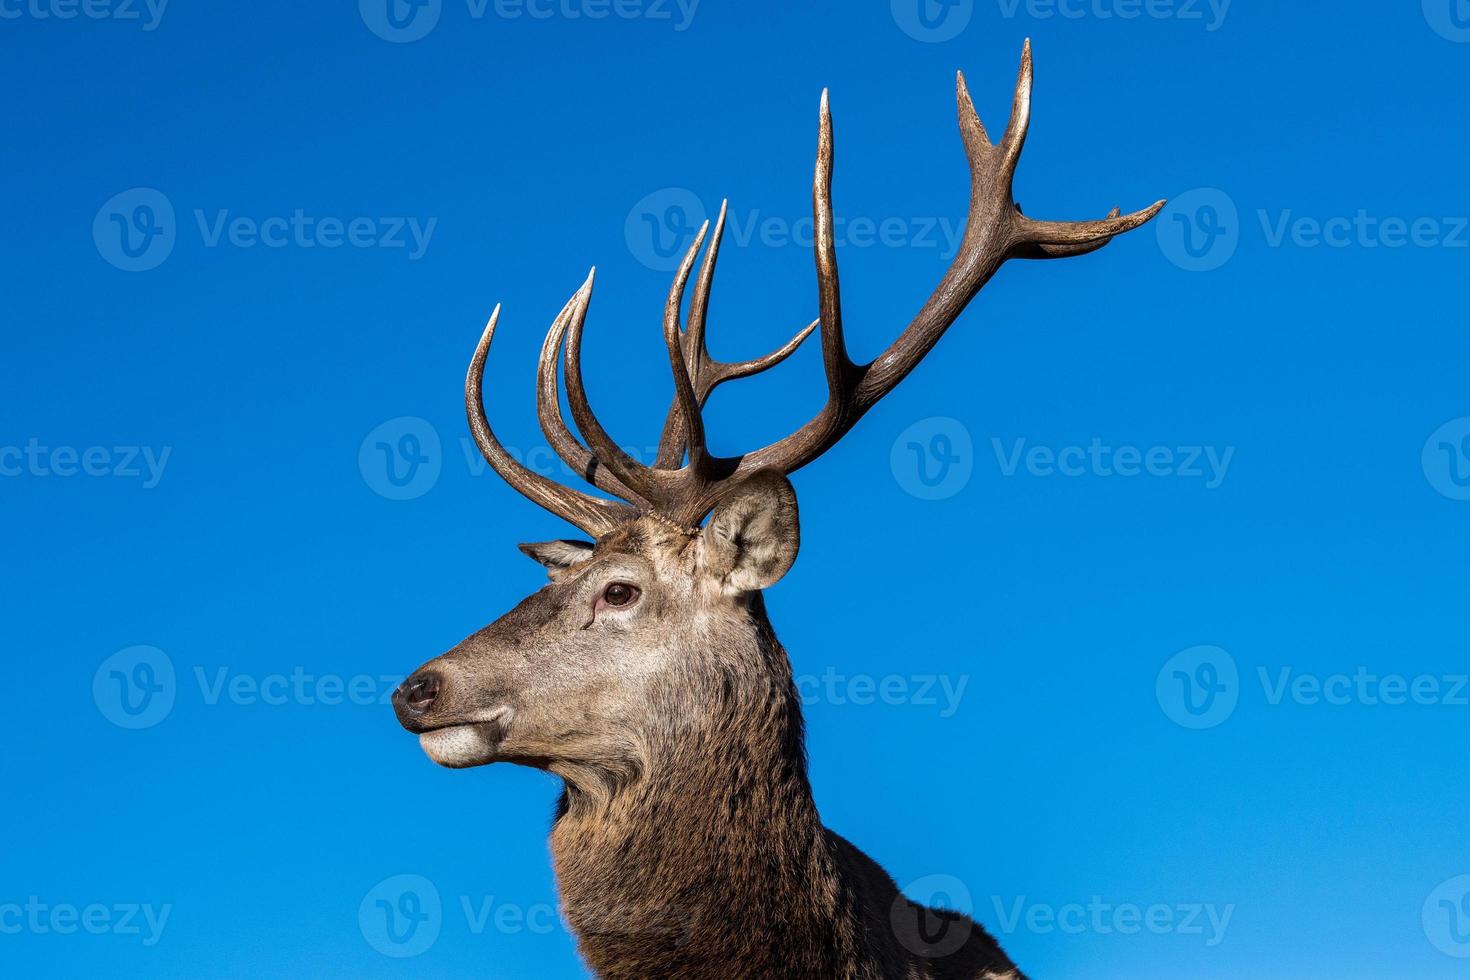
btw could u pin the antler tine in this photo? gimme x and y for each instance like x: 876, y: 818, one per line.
x: 648, y: 484
x: 695, y: 335
x: 1064, y: 239
x: 591, y: 514
x: 548, y: 410
x: 839, y: 367
x: 684, y: 397
x: 1014, y: 139
x: 840, y: 411
x: 705, y: 373
x: 994, y: 232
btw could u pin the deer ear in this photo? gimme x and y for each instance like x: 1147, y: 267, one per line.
x: 557, y: 555
x: 753, y: 535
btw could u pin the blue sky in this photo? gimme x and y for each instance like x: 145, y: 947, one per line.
x: 1133, y: 621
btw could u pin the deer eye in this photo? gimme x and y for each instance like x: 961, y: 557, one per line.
x: 620, y: 594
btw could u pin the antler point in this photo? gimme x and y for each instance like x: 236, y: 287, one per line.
x: 490, y: 325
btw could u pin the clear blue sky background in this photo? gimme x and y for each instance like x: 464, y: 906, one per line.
x: 1329, y: 833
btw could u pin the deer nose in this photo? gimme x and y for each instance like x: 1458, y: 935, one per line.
x: 416, y: 696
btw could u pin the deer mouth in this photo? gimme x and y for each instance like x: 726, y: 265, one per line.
x: 462, y: 746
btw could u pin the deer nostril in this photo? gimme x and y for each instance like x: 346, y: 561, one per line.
x: 417, y: 694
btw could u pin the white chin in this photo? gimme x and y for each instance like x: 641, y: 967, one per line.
x: 462, y: 746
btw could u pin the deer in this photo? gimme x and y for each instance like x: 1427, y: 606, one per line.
x: 645, y: 673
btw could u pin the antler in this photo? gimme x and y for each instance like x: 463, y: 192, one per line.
x: 591, y: 514
x: 705, y: 373
x: 995, y: 231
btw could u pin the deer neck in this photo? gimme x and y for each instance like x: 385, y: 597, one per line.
x: 708, y: 852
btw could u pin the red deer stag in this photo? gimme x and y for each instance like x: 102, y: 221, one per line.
x: 646, y: 674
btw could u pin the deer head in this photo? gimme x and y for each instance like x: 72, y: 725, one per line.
x: 656, y: 624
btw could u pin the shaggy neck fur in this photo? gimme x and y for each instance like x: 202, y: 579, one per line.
x: 702, y: 856
x: 706, y: 857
